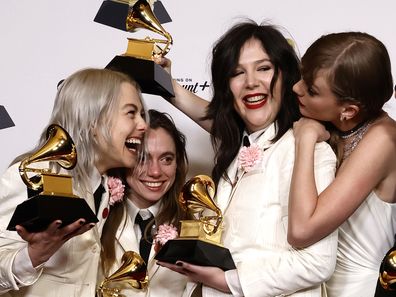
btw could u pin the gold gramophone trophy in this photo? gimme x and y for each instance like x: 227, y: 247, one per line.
x: 387, y: 275
x: 131, y: 274
x: 199, y: 241
x: 54, y: 199
x: 137, y: 61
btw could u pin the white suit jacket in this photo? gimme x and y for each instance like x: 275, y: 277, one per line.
x: 71, y: 271
x: 163, y: 282
x: 255, y: 225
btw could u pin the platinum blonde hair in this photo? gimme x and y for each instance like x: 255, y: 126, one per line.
x: 85, y: 100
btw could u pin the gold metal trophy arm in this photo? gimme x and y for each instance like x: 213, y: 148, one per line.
x: 139, y: 16
x: 59, y: 148
x: 133, y: 271
x: 197, y: 196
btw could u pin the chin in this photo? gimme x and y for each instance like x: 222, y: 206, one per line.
x: 153, y: 200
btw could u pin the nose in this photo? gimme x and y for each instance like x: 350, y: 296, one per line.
x: 251, y: 80
x: 153, y: 168
x: 298, y: 89
x: 141, y: 124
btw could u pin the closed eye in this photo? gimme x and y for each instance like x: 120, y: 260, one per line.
x: 311, y: 92
x: 131, y: 113
x: 264, y: 68
x: 236, y: 73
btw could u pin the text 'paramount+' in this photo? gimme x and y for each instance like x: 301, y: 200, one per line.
x: 193, y: 86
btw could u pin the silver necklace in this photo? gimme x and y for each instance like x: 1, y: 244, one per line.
x: 353, y: 138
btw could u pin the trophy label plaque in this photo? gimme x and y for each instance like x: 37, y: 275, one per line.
x: 199, y: 239
x: 55, y: 199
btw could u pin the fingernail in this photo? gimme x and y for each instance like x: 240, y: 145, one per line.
x: 179, y: 263
x: 91, y: 225
x: 81, y: 222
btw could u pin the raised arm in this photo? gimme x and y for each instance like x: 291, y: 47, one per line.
x: 313, y: 216
x: 187, y: 102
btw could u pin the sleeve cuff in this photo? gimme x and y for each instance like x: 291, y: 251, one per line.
x: 23, y: 270
x: 232, y: 279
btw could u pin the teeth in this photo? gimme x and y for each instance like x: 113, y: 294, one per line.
x: 255, y: 98
x: 153, y: 184
x: 133, y: 141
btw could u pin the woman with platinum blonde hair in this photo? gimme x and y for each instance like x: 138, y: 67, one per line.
x: 102, y: 111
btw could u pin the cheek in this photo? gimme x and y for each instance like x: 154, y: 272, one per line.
x: 317, y: 107
x: 133, y: 123
x: 239, y: 107
x: 316, y: 110
x: 104, y: 144
x: 235, y: 87
x: 170, y: 173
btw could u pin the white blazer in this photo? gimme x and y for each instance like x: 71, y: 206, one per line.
x: 255, y: 225
x: 163, y: 282
x: 71, y: 271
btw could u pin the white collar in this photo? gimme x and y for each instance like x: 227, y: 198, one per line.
x: 96, y: 179
x: 145, y: 213
x: 256, y: 136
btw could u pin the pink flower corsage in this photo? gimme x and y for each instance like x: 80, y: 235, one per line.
x: 249, y: 156
x: 116, y: 189
x: 165, y: 232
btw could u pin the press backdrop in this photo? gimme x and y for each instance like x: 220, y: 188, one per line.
x: 44, y: 41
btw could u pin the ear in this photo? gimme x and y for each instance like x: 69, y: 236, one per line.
x: 349, y: 111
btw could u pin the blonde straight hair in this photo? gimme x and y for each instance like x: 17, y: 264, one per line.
x: 86, y: 99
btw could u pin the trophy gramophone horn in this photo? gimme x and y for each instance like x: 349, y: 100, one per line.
x: 139, y: 16
x: 387, y: 275
x: 133, y: 271
x: 59, y: 148
x: 196, y: 196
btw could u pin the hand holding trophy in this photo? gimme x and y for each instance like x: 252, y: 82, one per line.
x: 137, y: 61
x: 199, y: 241
x: 55, y: 199
x: 132, y: 273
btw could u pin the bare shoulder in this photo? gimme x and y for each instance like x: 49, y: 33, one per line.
x: 383, y: 129
x: 382, y: 136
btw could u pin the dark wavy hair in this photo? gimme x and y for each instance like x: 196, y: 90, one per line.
x: 227, y: 128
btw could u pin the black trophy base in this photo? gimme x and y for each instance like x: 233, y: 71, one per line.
x: 151, y: 77
x: 196, y: 252
x: 36, y: 213
x: 381, y: 292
